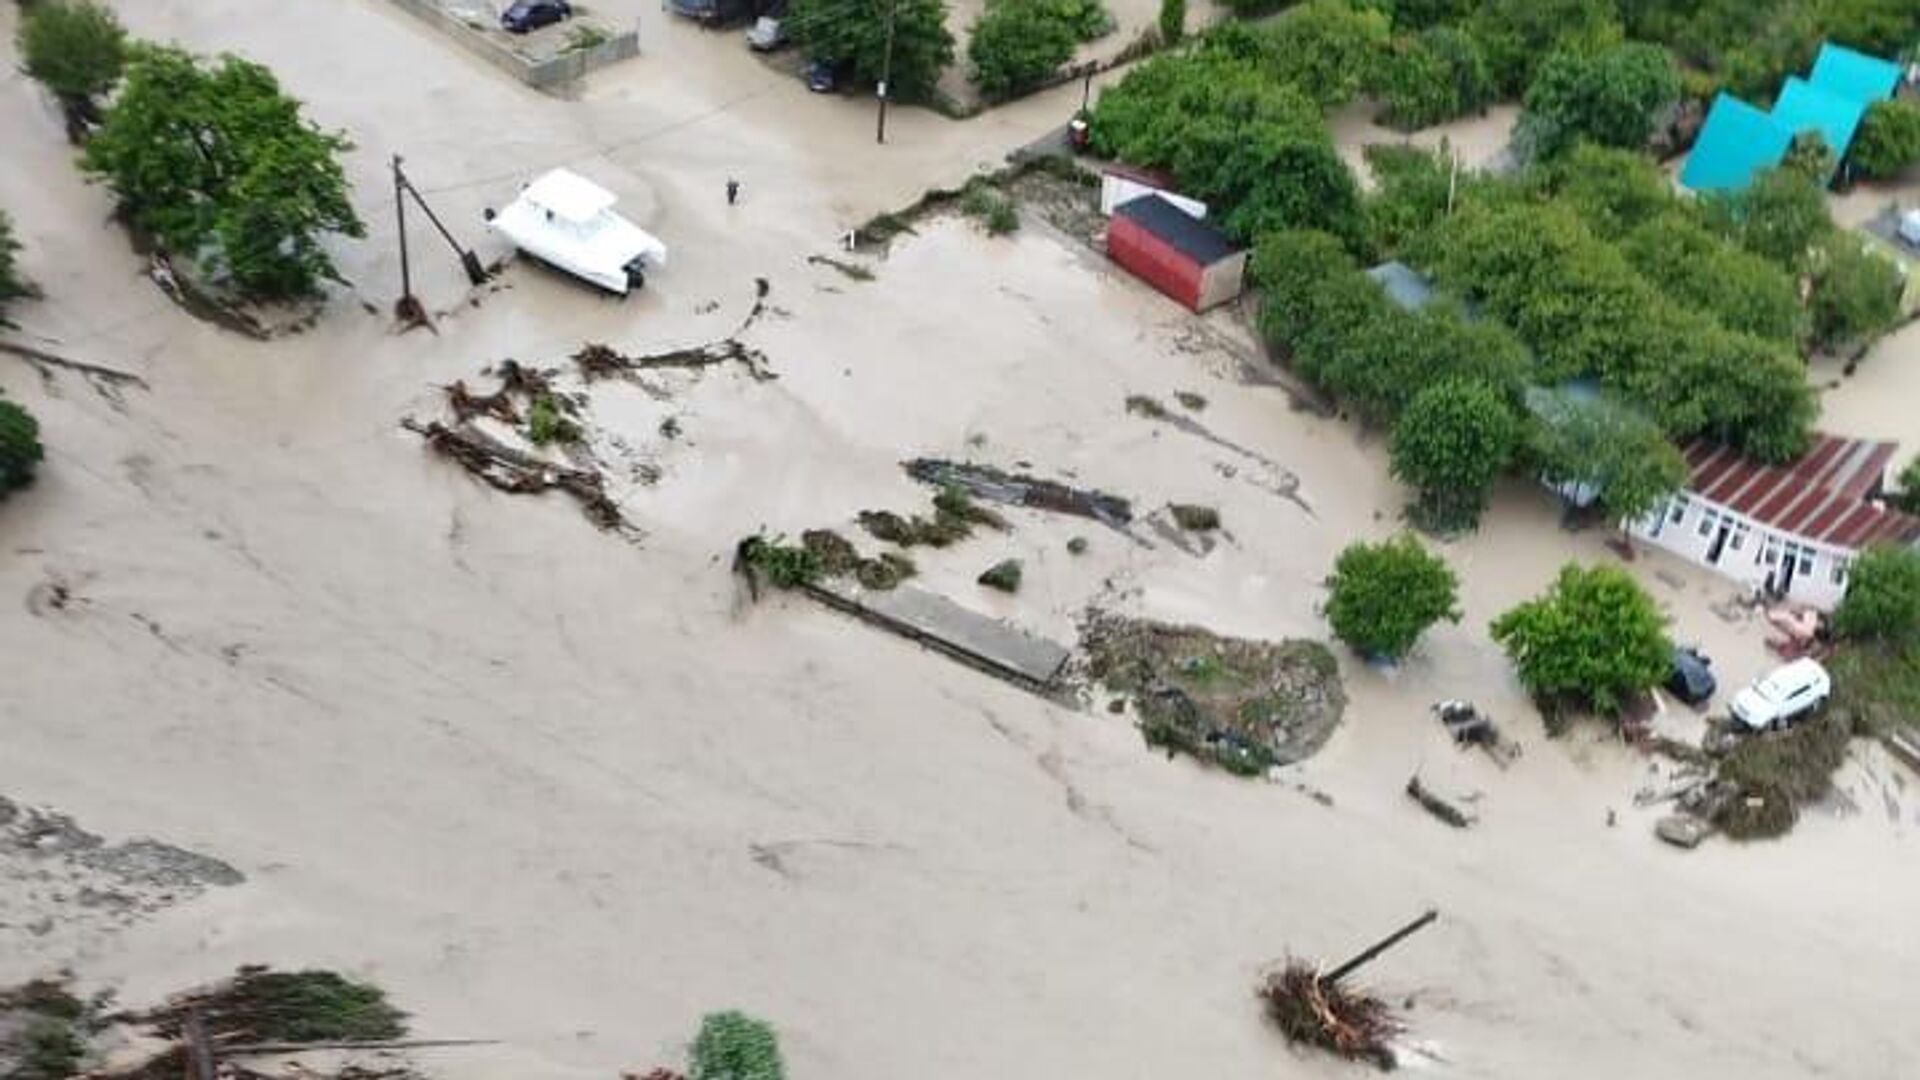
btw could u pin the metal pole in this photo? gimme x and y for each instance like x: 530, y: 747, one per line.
x: 1383, y: 945
x: 475, y: 272
x: 400, y: 218
x: 886, y: 74
x: 1086, y: 89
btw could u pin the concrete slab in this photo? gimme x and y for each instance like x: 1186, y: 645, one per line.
x: 996, y: 647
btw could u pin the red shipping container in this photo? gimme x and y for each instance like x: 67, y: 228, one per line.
x: 1175, y: 253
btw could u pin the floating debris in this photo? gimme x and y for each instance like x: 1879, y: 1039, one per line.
x: 1003, y: 575
x: 1017, y: 489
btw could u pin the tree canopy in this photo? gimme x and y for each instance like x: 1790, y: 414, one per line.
x: 1518, y: 35
x: 1780, y: 216
x: 76, y: 48
x: 1382, y: 597
x: 1621, y: 455
x: 219, y: 165
x: 1882, y: 602
x: 854, y: 32
x: 1017, y: 44
x: 1609, y: 97
x: 1856, y: 292
x: 1453, y: 441
x: 1888, y: 141
x: 13, y: 284
x: 1594, y: 640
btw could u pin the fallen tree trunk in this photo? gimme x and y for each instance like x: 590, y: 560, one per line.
x: 1435, y: 805
x: 520, y: 473
x: 39, y: 357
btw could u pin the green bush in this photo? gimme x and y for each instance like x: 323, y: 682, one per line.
x: 1018, y: 44
x: 1439, y: 75
x: 1883, y: 598
x: 1888, y: 142
x: 1518, y: 35
x: 1383, y: 596
x: 1450, y: 445
x: 1908, y: 497
x: 217, y: 163
x: 309, y: 1006
x: 1691, y: 265
x: 13, y: 284
x: 1780, y: 216
x: 76, y: 48
x: 1594, y: 640
x: 734, y: 1046
x: 548, y: 421
x: 1327, y: 48
x: 20, y: 449
x: 1089, y: 19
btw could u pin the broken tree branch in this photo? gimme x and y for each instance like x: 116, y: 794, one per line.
x: 348, y: 1044
x: 1380, y: 946
x: 40, y: 358
x: 1435, y: 805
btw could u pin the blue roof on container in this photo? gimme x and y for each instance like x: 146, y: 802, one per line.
x: 1843, y: 71
x: 1806, y: 107
x: 1736, y: 141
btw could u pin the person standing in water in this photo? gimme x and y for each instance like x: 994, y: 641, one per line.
x: 733, y: 191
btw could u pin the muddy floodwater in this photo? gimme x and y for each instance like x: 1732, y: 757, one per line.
x: 569, y: 790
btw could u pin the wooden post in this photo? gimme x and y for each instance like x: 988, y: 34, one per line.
x: 1381, y: 946
x: 199, y: 1052
x: 886, y: 74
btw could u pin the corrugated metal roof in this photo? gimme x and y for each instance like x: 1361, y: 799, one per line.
x: 1187, y: 234
x: 1825, y: 496
x: 1804, y: 107
x: 1736, y: 141
x: 1843, y: 71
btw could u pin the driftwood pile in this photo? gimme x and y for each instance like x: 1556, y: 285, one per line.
x: 1309, y: 1009
x: 517, y: 472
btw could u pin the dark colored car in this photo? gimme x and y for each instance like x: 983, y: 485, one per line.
x: 1691, y: 679
x: 524, y: 15
x: 724, y: 12
x: 823, y: 76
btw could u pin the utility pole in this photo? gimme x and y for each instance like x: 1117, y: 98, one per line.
x: 408, y: 308
x: 886, y: 73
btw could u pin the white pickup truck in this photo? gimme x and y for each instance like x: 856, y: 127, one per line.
x: 567, y: 221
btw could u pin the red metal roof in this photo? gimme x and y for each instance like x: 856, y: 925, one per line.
x: 1827, y: 496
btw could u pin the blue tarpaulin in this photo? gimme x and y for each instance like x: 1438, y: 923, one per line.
x: 1849, y: 74
x: 1805, y: 107
x: 1736, y: 141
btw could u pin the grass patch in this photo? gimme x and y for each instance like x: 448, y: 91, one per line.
x: 1877, y: 687
x: 584, y: 37
x: 548, y: 420
x: 784, y: 566
x: 303, y: 1006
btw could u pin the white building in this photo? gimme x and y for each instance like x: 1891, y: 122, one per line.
x: 1792, y: 530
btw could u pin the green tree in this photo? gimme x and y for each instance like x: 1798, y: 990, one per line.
x: 218, y: 164
x: 1780, y: 216
x: 1173, y: 21
x: 1888, y: 142
x: 1519, y: 34
x: 1598, y: 443
x: 76, y: 48
x: 1328, y: 48
x: 1421, y: 14
x: 1017, y: 44
x: 1593, y: 641
x: 1908, y: 497
x: 1693, y: 266
x: 13, y: 284
x: 1387, y: 361
x: 1884, y: 27
x: 1613, y: 190
x: 20, y: 450
x: 1382, y: 597
x: 1450, y: 445
x: 734, y: 1046
x: 854, y: 32
x: 1609, y: 97
x: 1883, y: 597
x: 1856, y: 292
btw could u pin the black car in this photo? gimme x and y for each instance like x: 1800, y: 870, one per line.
x: 1691, y: 678
x: 524, y: 15
x: 823, y: 76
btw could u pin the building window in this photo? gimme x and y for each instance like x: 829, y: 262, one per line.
x: 1839, y: 571
x: 1679, y: 509
x: 1806, y: 560
x: 1707, y: 521
x: 1772, y: 555
x: 1739, y: 537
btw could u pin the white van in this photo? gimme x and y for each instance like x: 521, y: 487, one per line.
x: 1786, y: 694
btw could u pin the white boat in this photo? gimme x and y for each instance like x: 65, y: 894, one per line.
x: 567, y: 221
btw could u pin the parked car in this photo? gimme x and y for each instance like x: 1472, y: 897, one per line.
x: 1691, y: 678
x: 714, y: 12
x: 567, y: 221
x: 766, y: 34
x: 823, y: 76
x: 1786, y: 694
x: 1909, y: 227
x: 524, y: 15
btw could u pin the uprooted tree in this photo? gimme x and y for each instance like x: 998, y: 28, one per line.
x: 217, y: 163
x: 1593, y: 641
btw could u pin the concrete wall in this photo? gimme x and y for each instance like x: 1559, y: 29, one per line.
x: 1749, y: 553
x: 541, y: 73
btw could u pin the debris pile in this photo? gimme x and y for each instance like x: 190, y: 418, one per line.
x: 1435, y: 805
x: 1323, y: 1013
x: 518, y: 472
x: 1471, y: 727
x: 1243, y: 705
x: 989, y: 484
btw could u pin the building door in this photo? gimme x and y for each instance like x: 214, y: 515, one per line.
x: 1719, y: 542
x: 1789, y: 559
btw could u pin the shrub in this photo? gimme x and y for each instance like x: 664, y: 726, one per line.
x: 548, y: 421
x: 1017, y: 44
x: 1743, y: 291
x: 1327, y: 48
x: 1883, y: 598
x: 785, y: 566
x: 309, y: 1006
x: 1889, y: 139
x: 219, y: 166
x: 75, y: 48
x: 1908, y: 496
x: 734, y: 1046
x: 989, y: 206
x: 1383, y: 596
x: 20, y: 449
x: 1519, y: 34
x: 1437, y: 76
x: 1450, y: 445
x: 1780, y: 216
x: 1594, y: 640
x: 1089, y: 19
